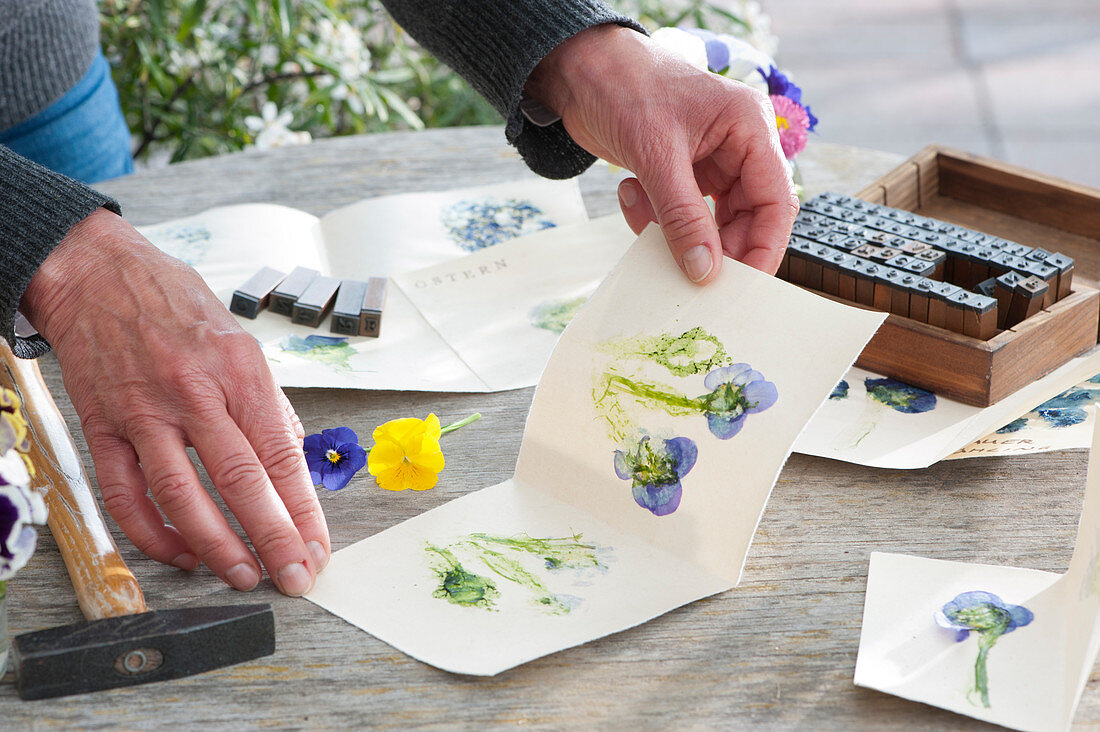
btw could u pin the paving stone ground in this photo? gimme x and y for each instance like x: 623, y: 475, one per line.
x: 1018, y: 80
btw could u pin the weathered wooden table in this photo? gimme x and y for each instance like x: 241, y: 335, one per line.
x: 778, y: 651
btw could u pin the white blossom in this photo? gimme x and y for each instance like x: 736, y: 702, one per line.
x: 271, y: 128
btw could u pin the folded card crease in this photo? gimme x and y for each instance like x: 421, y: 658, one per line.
x: 656, y: 433
x: 1022, y: 643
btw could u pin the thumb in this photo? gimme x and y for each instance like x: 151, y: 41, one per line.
x: 685, y: 219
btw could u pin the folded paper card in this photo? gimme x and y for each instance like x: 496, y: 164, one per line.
x: 1063, y: 422
x: 880, y: 422
x: 381, y: 237
x: 656, y: 434
x: 1002, y: 644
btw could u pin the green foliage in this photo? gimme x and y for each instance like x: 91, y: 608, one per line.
x: 194, y: 75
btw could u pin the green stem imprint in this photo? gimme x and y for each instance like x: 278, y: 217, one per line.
x: 457, y: 585
x: 462, y: 587
x: 513, y: 571
x: 986, y: 639
x: 655, y: 393
x: 607, y: 400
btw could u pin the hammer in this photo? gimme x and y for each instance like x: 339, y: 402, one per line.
x: 120, y: 643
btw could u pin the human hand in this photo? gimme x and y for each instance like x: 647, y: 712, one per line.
x: 154, y: 363
x: 686, y: 134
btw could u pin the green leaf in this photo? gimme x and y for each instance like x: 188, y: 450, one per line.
x: 190, y: 19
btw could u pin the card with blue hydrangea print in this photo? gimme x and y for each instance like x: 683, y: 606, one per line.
x: 377, y: 237
x: 656, y: 433
x: 1007, y: 645
x: 873, y: 420
x: 1063, y: 422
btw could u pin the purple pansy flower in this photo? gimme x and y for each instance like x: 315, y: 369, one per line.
x: 987, y: 615
x: 812, y: 118
x: 333, y: 457
x: 20, y: 506
x: 780, y: 85
x: 656, y: 468
x: 735, y: 392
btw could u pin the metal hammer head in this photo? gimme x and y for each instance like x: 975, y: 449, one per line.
x: 138, y: 649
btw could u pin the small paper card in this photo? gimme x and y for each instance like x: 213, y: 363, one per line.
x: 656, y: 434
x: 1002, y: 644
x: 1063, y: 422
x: 882, y: 423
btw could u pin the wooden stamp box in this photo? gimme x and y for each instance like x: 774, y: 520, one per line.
x: 1010, y: 202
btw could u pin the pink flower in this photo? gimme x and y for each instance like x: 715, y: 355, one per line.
x: 793, y: 123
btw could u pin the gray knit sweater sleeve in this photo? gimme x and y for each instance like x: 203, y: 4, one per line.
x: 37, y: 209
x: 495, y: 44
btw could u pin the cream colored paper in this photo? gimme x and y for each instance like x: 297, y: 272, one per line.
x: 1062, y: 423
x: 859, y: 429
x: 641, y: 561
x: 378, y: 237
x: 1035, y: 673
x: 502, y: 309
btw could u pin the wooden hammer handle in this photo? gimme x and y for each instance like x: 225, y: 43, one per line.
x: 104, y: 585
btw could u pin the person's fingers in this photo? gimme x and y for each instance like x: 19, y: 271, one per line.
x: 176, y: 488
x: 275, y: 432
x: 288, y: 409
x: 243, y: 482
x: 637, y: 210
x: 756, y: 234
x: 125, y: 496
x: 685, y: 219
x: 764, y: 193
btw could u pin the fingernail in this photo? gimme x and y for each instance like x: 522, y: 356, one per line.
x: 627, y: 195
x: 294, y: 579
x: 243, y: 576
x: 320, y: 556
x: 698, y: 262
x: 187, y: 561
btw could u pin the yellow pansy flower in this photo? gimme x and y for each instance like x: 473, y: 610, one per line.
x: 406, y: 454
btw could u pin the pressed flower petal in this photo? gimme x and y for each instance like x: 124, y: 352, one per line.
x: 759, y: 395
x: 683, y: 452
x: 623, y: 468
x: 727, y: 375
x: 723, y: 427
x: 1021, y: 616
x: 660, y: 500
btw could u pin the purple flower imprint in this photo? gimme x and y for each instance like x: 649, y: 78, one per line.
x: 333, y: 457
x: 990, y: 617
x: 656, y: 469
x: 735, y: 392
